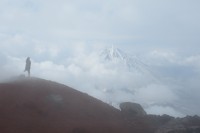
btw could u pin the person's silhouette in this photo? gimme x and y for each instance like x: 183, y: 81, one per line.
x: 28, y: 66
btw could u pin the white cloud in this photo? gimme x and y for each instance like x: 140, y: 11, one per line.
x: 75, y: 70
x: 155, y: 93
x: 193, y: 60
x: 160, y: 110
x: 111, y: 83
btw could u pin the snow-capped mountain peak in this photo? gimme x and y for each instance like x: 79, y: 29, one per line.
x: 113, y: 54
x: 133, y: 63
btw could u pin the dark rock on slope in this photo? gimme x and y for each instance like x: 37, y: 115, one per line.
x: 132, y: 109
x: 189, y: 124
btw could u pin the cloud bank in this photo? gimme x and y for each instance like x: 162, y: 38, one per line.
x: 172, y: 90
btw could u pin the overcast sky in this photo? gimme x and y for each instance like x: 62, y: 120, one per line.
x: 64, y: 39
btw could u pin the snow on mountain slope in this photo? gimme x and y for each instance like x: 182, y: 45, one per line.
x: 130, y: 73
x: 132, y: 63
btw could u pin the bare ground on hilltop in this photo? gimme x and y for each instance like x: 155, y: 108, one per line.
x: 39, y: 106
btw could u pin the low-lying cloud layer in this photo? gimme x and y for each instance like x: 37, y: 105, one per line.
x: 171, y: 88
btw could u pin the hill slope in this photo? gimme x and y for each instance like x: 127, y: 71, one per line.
x: 40, y: 106
x: 32, y: 105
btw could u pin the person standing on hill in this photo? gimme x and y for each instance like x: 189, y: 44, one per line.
x: 28, y: 66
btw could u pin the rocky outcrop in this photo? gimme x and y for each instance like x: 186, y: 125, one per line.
x: 132, y: 109
x: 136, y: 116
x: 158, y: 121
x: 180, y: 129
x: 189, y: 124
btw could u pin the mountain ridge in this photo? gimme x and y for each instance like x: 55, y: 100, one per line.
x: 42, y: 106
x: 131, y: 62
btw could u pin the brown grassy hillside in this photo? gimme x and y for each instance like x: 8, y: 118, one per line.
x: 40, y: 106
